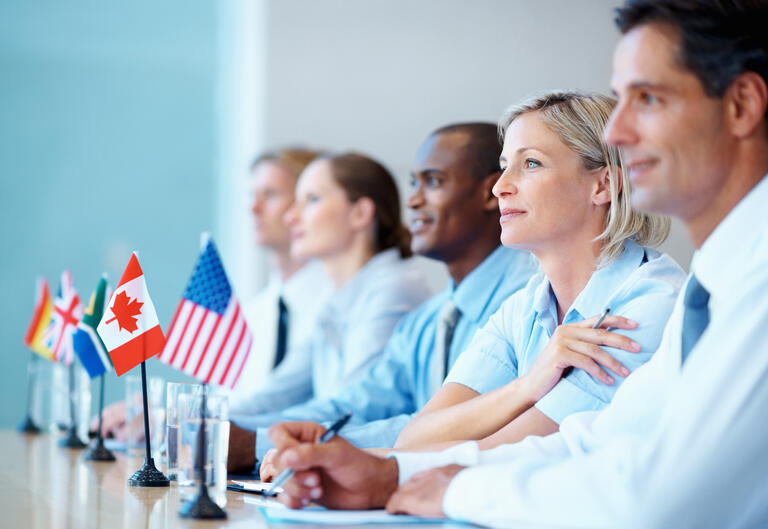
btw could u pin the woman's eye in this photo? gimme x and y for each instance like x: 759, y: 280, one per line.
x: 432, y: 181
x: 530, y: 163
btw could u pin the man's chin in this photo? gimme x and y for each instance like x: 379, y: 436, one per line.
x: 649, y: 201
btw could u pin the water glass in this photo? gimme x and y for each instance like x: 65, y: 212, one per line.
x: 173, y: 390
x: 217, y: 444
x: 65, y: 400
x: 134, y: 414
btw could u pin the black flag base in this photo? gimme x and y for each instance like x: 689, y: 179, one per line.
x: 28, y: 426
x: 202, y: 507
x: 72, y: 440
x: 148, y: 476
x: 98, y: 452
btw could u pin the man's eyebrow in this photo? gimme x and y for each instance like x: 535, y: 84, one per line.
x: 648, y: 85
x: 427, y: 172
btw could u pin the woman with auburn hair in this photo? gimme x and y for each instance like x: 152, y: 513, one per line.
x: 564, y: 196
x: 347, y: 216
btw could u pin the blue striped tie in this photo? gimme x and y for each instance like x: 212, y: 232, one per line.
x: 695, y: 317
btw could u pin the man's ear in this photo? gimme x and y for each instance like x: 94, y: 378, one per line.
x: 601, y: 195
x: 363, y: 213
x: 491, y: 203
x: 746, y: 100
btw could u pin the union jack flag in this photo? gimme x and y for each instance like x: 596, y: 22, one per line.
x: 67, y: 312
x: 208, y: 337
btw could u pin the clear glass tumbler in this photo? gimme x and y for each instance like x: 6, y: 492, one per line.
x: 217, y: 444
x: 134, y: 415
x: 173, y: 390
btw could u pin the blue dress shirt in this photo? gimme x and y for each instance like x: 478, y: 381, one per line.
x: 384, y: 399
x: 641, y: 284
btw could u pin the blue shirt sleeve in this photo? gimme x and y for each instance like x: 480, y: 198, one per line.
x: 489, y: 361
x: 650, y: 304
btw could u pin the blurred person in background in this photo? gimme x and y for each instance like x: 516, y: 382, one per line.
x: 347, y: 215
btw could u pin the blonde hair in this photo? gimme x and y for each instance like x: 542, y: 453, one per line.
x: 579, y: 119
x: 293, y: 159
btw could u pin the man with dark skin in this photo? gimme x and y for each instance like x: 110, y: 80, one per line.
x: 682, y: 444
x: 453, y: 218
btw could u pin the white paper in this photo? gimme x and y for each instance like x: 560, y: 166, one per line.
x: 321, y: 515
x: 256, y: 485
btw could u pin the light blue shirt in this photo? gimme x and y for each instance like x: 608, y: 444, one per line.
x: 357, y: 322
x: 681, y: 445
x: 384, y: 399
x: 641, y: 284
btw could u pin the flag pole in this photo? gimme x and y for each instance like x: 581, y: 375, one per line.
x: 202, y: 506
x: 99, y: 452
x: 72, y: 440
x: 148, y: 475
x: 28, y: 424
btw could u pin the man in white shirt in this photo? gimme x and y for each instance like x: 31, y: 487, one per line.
x: 683, y: 442
x: 282, y: 316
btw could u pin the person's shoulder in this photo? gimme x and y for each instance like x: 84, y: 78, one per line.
x: 657, y: 280
x: 522, y: 301
x: 423, y: 315
x: 657, y: 267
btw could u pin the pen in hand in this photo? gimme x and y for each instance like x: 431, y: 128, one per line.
x: 329, y: 434
x: 599, y: 321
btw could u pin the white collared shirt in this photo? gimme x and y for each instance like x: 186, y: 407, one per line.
x: 679, y: 446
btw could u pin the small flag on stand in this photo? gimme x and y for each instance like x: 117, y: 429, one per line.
x: 87, y: 343
x: 130, y: 328
x: 67, y: 312
x: 41, y: 317
x: 208, y: 337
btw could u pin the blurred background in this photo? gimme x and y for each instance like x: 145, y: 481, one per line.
x: 131, y: 126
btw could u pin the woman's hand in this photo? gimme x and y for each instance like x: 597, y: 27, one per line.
x: 578, y: 345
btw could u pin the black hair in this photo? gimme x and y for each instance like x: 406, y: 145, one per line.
x: 483, y: 147
x: 719, y: 39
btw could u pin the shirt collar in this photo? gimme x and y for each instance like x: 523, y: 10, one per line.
x: 733, y: 240
x: 599, y: 290
x: 344, y: 297
x: 471, y: 295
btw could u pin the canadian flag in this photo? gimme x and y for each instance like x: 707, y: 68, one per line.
x: 129, y: 327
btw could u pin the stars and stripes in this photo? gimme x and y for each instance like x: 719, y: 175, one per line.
x: 67, y: 311
x: 208, y: 337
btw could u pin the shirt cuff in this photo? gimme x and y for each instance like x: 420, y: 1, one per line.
x: 411, y: 463
x: 460, y: 493
x: 263, y: 444
x: 565, y: 399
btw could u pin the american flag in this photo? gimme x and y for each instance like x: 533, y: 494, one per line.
x: 67, y: 311
x: 208, y: 337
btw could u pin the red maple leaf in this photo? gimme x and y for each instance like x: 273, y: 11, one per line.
x: 125, y: 312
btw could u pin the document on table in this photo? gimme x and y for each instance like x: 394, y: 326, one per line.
x: 255, y: 486
x: 323, y: 516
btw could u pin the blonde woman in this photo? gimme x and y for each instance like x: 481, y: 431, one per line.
x: 563, y: 195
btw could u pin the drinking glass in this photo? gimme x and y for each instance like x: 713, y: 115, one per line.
x: 217, y: 444
x: 173, y: 391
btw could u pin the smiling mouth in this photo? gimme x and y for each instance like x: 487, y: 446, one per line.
x: 637, y: 168
x: 419, y: 225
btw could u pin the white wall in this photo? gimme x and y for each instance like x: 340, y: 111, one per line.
x: 377, y: 76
